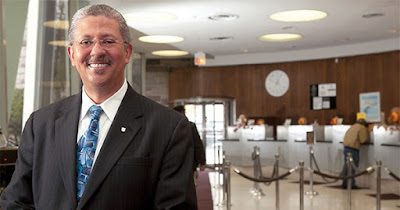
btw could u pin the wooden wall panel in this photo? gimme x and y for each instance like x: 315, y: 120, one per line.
x: 183, y: 84
x: 246, y: 83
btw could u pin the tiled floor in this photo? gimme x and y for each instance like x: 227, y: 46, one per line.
x: 328, y: 198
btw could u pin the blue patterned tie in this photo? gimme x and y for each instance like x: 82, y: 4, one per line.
x: 86, y: 150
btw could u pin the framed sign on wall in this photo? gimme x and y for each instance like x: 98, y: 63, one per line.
x: 323, y: 96
x: 370, y: 104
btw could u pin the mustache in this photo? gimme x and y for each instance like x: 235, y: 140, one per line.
x: 99, y: 60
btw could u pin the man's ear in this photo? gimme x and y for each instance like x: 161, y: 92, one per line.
x: 71, y: 55
x: 128, y: 52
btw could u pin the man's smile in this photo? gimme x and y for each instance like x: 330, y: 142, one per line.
x: 98, y: 65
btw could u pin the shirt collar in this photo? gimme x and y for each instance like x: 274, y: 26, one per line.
x: 109, y: 106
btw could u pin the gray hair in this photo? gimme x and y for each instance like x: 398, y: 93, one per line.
x: 96, y: 10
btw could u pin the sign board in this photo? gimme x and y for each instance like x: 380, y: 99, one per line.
x: 370, y: 104
x: 323, y: 96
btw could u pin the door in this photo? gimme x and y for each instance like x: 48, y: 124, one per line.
x: 210, y: 122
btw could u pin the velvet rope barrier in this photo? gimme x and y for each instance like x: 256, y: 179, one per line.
x: 366, y: 171
x: 392, y: 174
x: 264, y: 180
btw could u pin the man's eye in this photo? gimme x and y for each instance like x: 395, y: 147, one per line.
x: 108, y: 41
x: 86, y: 42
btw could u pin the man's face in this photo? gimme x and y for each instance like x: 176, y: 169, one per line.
x: 98, y: 52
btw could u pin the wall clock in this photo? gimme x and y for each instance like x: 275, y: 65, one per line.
x: 277, y: 83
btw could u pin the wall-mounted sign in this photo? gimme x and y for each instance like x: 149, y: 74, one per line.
x: 370, y: 104
x: 323, y: 96
x: 327, y: 90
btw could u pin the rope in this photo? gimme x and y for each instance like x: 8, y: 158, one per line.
x: 366, y: 171
x: 354, y: 166
x: 273, y: 175
x: 327, y: 181
x: 264, y: 180
x: 255, y: 156
x: 392, y: 174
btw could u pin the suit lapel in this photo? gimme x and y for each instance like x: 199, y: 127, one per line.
x: 66, y: 128
x: 125, y: 126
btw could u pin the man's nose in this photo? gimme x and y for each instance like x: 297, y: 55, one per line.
x: 97, y: 49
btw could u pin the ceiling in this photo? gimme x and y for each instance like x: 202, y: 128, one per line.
x: 344, y: 32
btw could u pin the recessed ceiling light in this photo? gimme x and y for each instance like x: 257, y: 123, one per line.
x: 224, y: 17
x: 279, y: 37
x: 298, y: 15
x: 149, y: 17
x: 372, y: 15
x: 61, y: 43
x: 58, y: 24
x: 393, y: 31
x: 160, y: 39
x: 170, y: 53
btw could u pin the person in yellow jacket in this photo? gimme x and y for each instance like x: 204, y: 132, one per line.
x: 356, y: 135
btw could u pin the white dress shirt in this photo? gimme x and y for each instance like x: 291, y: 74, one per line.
x: 110, y: 108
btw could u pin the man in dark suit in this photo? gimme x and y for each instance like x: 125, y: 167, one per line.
x: 107, y: 147
x: 199, y: 159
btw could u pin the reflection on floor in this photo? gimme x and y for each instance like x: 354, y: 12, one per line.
x: 330, y: 197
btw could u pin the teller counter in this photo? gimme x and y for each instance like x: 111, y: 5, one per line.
x: 290, y: 144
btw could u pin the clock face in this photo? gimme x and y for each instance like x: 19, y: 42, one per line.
x: 277, y: 83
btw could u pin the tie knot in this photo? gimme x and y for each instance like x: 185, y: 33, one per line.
x: 95, y: 111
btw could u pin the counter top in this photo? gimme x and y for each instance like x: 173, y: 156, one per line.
x: 391, y: 145
x: 269, y: 140
x: 290, y: 143
x: 228, y: 140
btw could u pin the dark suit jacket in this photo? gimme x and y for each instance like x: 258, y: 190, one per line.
x: 199, y: 152
x: 141, y: 168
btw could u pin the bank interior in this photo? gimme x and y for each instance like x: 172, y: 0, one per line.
x: 256, y: 113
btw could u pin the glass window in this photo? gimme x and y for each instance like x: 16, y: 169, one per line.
x: 12, y: 67
x: 54, y: 66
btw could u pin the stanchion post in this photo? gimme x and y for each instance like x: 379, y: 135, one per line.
x: 311, y: 193
x: 219, y: 154
x: 219, y: 164
x: 222, y: 170
x: 228, y: 185
x: 256, y: 191
x: 301, y: 163
x: 378, y: 184
x: 259, y: 174
x: 348, y: 165
x: 311, y: 167
x: 223, y: 176
x: 277, y: 181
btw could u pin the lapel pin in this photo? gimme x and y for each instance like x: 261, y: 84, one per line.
x: 123, y: 129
